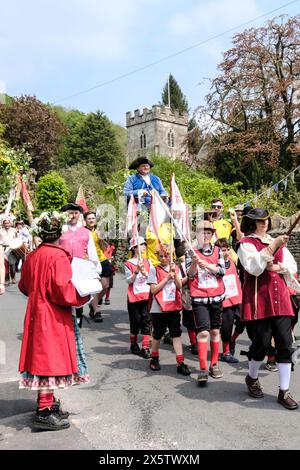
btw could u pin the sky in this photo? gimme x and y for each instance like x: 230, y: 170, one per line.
x: 57, y: 49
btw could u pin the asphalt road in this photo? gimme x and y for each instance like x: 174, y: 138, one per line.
x: 126, y: 406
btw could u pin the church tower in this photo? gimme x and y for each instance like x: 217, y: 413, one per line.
x: 156, y: 131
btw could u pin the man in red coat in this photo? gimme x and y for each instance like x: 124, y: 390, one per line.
x: 48, y: 352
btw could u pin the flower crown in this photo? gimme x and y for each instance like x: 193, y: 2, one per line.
x: 48, y: 223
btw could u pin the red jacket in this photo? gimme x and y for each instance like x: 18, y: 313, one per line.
x: 48, y: 345
x: 168, y: 298
x: 139, y: 290
x: 233, y: 291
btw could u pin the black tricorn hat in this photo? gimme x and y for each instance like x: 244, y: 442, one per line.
x: 252, y: 215
x: 71, y: 207
x: 140, y: 161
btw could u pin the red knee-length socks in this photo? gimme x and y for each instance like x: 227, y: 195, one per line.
x: 145, y: 342
x: 45, y: 400
x: 202, y: 354
x: 214, y: 352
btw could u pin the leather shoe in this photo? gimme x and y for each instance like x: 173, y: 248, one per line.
x: 49, y: 420
x: 254, y: 387
x: 285, y: 399
x: 145, y: 353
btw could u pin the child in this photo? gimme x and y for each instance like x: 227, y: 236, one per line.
x: 187, y: 311
x: 205, y: 271
x: 165, y: 284
x: 136, y: 272
x: 231, y: 303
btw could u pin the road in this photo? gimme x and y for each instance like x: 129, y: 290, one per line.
x: 126, y: 406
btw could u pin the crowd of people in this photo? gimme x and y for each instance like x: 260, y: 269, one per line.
x: 232, y: 277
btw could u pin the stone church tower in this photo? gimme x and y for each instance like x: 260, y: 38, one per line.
x: 156, y: 131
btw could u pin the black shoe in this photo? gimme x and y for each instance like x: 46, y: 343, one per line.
x: 98, y: 317
x: 57, y: 409
x: 107, y: 302
x: 145, y: 353
x: 183, y: 369
x: 100, y: 301
x: 48, y: 420
x: 202, y: 378
x: 154, y: 364
x: 135, y: 349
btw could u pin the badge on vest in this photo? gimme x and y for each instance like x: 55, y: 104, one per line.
x: 206, y: 280
x: 140, y: 285
x: 169, y: 292
x: 231, y: 288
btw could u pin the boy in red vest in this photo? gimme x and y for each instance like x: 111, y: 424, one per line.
x: 136, y: 272
x: 205, y: 271
x: 231, y: 303
x: 165, y: 285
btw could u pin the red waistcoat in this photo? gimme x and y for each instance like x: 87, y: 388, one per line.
x: 233, y: 291
x: 139, y: 289
x: 206, y: 284
x: 266, y: 295
x: 168, y: 298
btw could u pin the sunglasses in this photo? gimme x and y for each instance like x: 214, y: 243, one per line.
x: 216, y: 206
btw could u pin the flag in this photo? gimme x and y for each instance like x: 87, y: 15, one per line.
x: 285, y: 182
x: 157, y: 213
x: 131, y: 223
x: 25, y: 196
x: 186, y: 223
x: 11, y: 197
x: 276, y: 187
x: 80, y: 199
x: 269, y: 193
x: 177, y: 203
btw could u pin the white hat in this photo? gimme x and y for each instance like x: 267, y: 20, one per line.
x: 134, y: 242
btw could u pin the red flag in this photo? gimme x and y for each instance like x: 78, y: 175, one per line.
x: 25, y: 196
x: 131, y: 225
x: 80, y: 199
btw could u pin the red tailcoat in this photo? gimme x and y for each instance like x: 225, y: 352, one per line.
x: 48, y: 345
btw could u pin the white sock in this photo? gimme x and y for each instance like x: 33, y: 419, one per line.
x: 254, y: 368
x: 284, y: 375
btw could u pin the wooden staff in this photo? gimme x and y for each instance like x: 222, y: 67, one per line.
x: 293, y: 225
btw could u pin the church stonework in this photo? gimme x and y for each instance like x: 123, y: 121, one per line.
x: 158, y: 130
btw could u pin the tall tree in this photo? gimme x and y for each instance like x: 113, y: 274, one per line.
x: 253, y: 107
x: 178, y: 101
x: 93, y: 140
x: 31, y: 125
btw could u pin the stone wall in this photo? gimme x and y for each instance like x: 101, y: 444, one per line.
x: 155, y: 124
x: 293, y: 244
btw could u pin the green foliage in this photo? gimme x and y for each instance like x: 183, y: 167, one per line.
x: 91, y: 138
x: 84, y: 174
x: 121, y: 137
x: 52, y: 192
x: 31, y: 125
x: 178, y: 100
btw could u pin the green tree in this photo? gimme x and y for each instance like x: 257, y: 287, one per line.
x: 52, y: 192
x: 84, y: 174
x: 32, y: 126
x: 93, y: 139
x: 178, y: 101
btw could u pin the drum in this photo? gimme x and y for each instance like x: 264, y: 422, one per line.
x: 18, y: 248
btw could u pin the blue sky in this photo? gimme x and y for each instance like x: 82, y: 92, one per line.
x: 56, y: 48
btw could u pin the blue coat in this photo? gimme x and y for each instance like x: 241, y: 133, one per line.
x: 135, y: 182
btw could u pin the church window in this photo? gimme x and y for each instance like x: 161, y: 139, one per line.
x: 143, y: 140
x: 171, y: 138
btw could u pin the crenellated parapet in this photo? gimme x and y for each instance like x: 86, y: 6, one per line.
x: 157, y: 112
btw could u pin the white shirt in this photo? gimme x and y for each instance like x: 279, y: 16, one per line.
x: 255, y: 262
